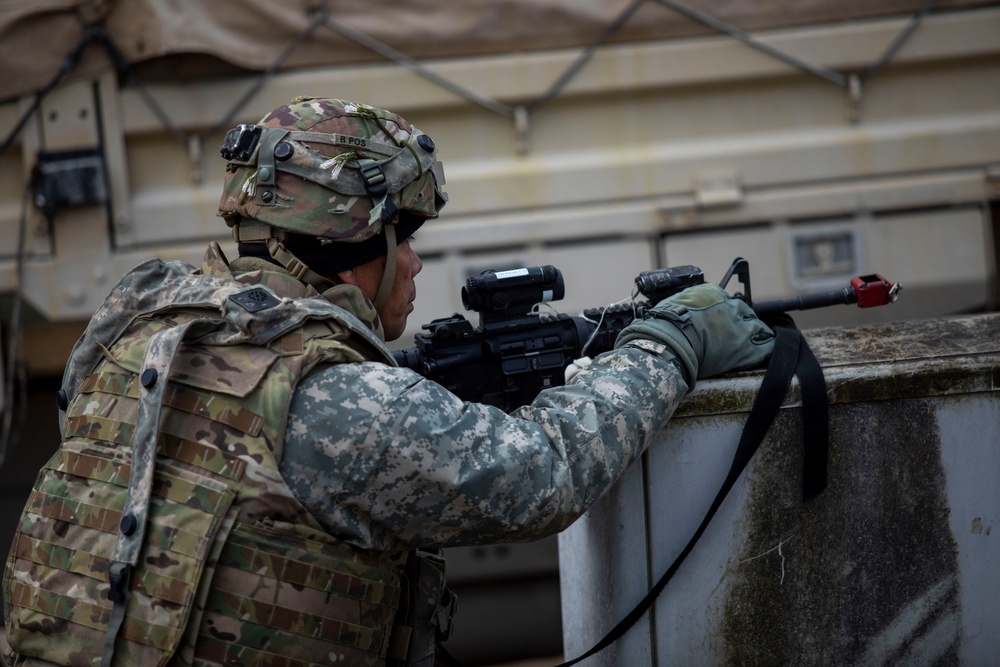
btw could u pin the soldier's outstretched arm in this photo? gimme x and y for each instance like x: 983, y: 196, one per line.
x: 386, y: 459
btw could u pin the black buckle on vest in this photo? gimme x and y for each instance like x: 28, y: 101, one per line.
x: 118, y: 577
x: 444, y: 615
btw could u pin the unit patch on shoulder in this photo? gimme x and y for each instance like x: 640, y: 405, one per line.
x: 255, y: 299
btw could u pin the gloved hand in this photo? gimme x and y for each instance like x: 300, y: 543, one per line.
x: 709, y: 332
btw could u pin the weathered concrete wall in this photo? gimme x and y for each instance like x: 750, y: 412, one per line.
x: 893, y: 564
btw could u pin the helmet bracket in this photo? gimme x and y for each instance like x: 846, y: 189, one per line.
x: 266, y: 193
x: 240, y: 142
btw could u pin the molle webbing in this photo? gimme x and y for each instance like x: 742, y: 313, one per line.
x: 58, y: 568
x: 193, y: 453
x: 185, y: 399
x: 252, y: 571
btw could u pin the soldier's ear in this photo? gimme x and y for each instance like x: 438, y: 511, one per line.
x: 347, y: 277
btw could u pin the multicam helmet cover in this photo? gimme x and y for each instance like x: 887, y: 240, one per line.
x: 329, y: 168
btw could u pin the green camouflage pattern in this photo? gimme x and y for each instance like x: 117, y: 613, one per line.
x: 275, y: 586
x: 319, y: 190
x: 156, y: 286
x: 273, y: 591
x: 348, y: 297
x: 56, y: 581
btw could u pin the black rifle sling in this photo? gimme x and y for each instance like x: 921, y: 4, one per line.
x: 791, y: 356
x: 815, y: 422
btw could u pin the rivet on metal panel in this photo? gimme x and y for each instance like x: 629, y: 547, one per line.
x: 41, y: 227
x: 93, y: 13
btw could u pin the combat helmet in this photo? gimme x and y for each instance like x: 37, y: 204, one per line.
x: 326, y: 185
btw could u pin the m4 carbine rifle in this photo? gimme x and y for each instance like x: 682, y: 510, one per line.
x: 517, y: 351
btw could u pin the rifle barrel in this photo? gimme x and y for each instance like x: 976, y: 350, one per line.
x: 806, y: 302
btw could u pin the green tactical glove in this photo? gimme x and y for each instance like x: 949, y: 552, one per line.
x: 709, y: 332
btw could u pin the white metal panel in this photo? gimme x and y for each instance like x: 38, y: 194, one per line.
x: 931, y: 248
x: 834, y: 198
x: 164, y: 214
x: 81, y: 247
x: 598, y: 273
x: 686, y: 470
x: 714, y: 251
x: 940, y: 257
x: 598, y: 143
x: 11, y: 203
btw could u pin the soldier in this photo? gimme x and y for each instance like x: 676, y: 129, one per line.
x: 246, y: 477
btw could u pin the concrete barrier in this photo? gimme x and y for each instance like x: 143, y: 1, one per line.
x: 894, y: 563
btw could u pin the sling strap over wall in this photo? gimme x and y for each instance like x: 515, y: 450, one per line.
x: 791, y: 356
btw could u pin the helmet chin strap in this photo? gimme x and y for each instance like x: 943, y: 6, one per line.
x: 246, y: 231
x: 296, y: 267
x: 291, y: 263
x: 389, y: 275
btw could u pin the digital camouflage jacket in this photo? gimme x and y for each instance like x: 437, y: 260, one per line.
x: 386, y: 459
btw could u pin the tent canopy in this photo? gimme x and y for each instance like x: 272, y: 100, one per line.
x: 191, y: 38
